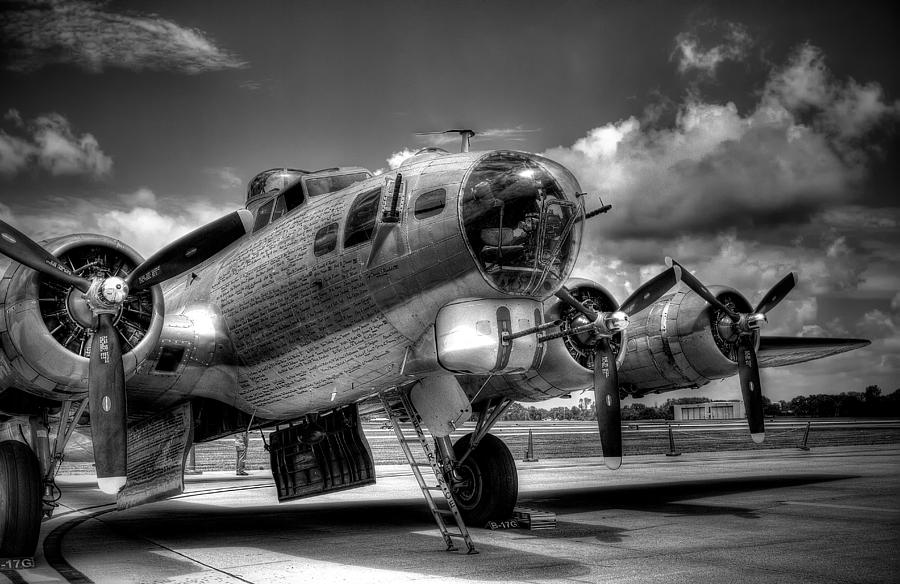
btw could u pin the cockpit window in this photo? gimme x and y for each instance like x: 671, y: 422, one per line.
x: 270, y: 182
x: 328, y: 184
x: 361, y: 218
x: 262, y: 215
x: 522, y: 222
x: 279, y: 209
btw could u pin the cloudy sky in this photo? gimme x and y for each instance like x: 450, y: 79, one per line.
x: 746, y: 139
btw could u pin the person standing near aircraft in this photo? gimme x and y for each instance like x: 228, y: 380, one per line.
x: 241, y: 443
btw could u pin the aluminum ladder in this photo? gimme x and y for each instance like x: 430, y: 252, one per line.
x: 401, y: 410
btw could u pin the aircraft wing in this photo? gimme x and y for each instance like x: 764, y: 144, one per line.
x: 780, y: 351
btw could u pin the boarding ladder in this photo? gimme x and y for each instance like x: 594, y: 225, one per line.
x: 402, y: 408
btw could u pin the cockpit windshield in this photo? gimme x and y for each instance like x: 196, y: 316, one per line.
x: 271, y: 182
x: 522, y: 222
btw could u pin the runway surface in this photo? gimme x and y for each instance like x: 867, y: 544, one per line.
x: 828, y: 515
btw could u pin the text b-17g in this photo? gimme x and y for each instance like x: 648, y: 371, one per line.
x: 442, y: 287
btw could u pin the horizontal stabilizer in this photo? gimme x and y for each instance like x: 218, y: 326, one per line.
x: 780, y: 351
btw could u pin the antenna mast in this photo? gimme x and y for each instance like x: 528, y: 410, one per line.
x: 465, y: 136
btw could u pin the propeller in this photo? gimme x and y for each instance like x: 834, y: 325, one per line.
x: 105, y: 296
x: 741, y: 329
x: 603, y: 325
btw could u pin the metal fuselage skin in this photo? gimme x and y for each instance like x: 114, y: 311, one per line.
x: 270, y: 327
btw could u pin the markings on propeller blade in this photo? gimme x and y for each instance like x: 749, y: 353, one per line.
x: 604, y: 366
x: 8, y: 237
x: 608, y: 400
x: 190, y: 252
x: 103, y: 347
x: 152, y: 273
x: 58, y: 266
x: 106, y: 403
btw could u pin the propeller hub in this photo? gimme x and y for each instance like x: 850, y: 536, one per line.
x: 113, y: 290
x: 107, y: 295
x: 615, y: 321
x: 754, y: 321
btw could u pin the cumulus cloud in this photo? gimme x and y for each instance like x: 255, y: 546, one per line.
x: 693, y: 57
x: 86, y: 33
x: 148, y: 229
x: 141, y: 219
x: 397, y: 158
x: 228, y: 177
x: 49, y: 143
x: 840, y: 110
x: 717, y: 168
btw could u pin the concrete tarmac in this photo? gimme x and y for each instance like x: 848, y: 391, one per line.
x: 828, y: 515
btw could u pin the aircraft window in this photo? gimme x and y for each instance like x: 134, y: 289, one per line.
x: 272, y: 181
x: 326, y: 239
x: 262, y: 215
x: 279, y: 207
x: 293, y: 197
x: 430, y: 204
x: 330, y: 184
x: 361, y: 218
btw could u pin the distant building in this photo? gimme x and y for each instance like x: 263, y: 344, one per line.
x: 720, y: 410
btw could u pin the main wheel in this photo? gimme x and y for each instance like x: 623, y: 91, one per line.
x: 20, y: 499
x: 490, y: 484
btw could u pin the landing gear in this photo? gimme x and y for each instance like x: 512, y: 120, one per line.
x: 20, y: 499
x: 487, y: 485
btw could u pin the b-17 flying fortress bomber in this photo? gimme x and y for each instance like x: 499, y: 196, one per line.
x: 440, y: 290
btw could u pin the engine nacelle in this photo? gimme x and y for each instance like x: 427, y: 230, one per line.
x: 45, y: 325
x: 677, y: 343
x: 568, y: 363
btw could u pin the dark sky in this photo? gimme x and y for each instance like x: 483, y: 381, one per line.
x: 746, y: 139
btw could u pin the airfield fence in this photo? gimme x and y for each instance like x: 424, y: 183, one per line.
x: 580, y: 439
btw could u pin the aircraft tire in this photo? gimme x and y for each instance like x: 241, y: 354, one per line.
x: 492, y: 483
x: 20, y: 500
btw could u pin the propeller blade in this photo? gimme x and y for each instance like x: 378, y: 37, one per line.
x: 106, y: 392
x: 748, y: 370
x: 694, y: 284
x: 565, y: 295
x: 191, y: 250
x: 776, y: 294
x: 19, y: 247
x: 651, y: 291
x: 606, y: 397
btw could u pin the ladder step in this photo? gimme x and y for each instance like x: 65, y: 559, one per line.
x: 434, y: 488
x: 428, y: 464
x: 446, y: 512
x: 455, y: 534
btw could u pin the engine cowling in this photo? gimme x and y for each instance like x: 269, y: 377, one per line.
x: 678, y: 343
x: 568, y: 362
x: 44, y: 324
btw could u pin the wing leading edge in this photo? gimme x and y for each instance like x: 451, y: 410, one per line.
x: 780, y: 351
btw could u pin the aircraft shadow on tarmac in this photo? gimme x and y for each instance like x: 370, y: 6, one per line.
x: 388, y: 534
x: 663, y: 498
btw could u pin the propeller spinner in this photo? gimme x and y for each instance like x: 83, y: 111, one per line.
x: 740, y: 329
x: 601, y: 326
x: 104, y: 297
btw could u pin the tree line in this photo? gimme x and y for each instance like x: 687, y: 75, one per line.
x: 867, y: 403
